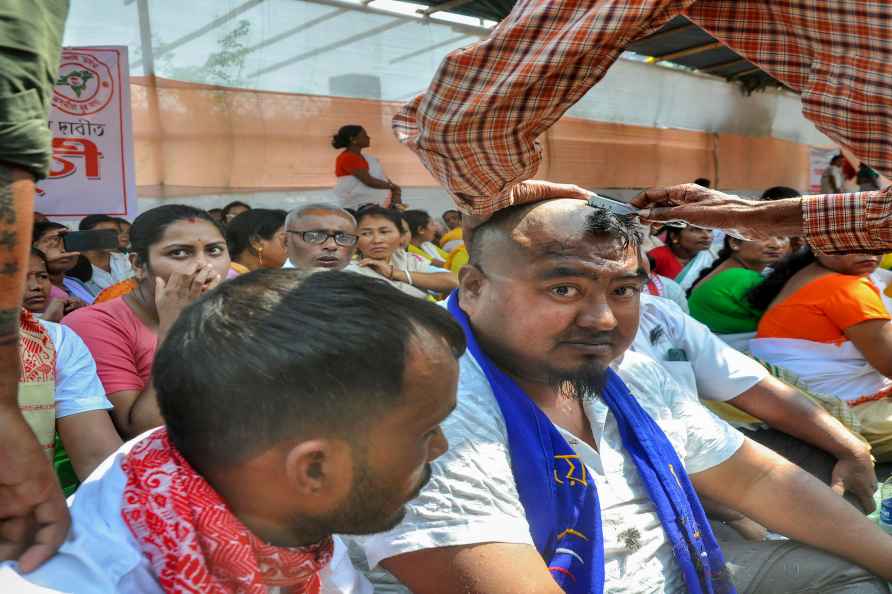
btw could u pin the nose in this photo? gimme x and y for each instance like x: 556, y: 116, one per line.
x: 597, y: 316
x: 777, y: 243
x: 31, y: 283
x: 438, y: 446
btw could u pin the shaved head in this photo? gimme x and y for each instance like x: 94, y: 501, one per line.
x: 549, y: 227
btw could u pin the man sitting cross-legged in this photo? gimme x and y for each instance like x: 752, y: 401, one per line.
x: 573, y: 461
x: 294, y: 409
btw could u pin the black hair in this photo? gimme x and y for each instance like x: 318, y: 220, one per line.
x: 122, y: 221
x: 417, y: 219
x: 672, y: 232
x: 345, y: 135
x: 41, y: 228
x: 231, y: 205
x: 250, y: 226
x: 279, y: 354
x: 392, y: 215
x: 780, y: 192
x: 703, y: 181
x: 150, y: 226
x: 723, y: 255
x: 764, y: 293
x: 601, y: 222
x: 82, y: 270
x: 446, y: 212
x: 41, y: 255
x: 90, y: 221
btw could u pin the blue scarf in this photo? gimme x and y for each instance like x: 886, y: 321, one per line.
x: 560, y: 498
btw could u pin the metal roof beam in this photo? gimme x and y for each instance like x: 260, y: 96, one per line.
x: 445, y: 6
x: 722, y: 65
x: 743, y: 73
x: 691, y: 51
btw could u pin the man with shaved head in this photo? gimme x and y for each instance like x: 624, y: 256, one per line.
x: 320, y: 236
x: 573, y: 462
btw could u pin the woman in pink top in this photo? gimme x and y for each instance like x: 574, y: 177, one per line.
x: 178, y: 253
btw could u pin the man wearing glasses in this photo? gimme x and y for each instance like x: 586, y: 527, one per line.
x: 320, y: 236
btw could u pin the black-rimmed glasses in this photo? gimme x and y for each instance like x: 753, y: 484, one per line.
x: 317, y: 237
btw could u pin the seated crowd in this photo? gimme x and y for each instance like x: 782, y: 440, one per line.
x: 353, y: 401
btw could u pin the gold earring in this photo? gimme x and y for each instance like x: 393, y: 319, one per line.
x: 260, y: 255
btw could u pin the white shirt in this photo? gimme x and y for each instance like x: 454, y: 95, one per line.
x: 119, y: 264
x: 101, y: 556
x: 472, y: 497
x: 78, y: 388
x: 711, y: 369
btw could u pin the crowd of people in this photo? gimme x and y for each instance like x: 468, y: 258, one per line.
x: 197, y: 291
x: 535, y: 397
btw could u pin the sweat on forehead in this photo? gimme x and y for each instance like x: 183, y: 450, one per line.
x: 552, y: 227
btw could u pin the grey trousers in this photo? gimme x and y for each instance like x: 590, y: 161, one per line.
x: 789, y: 567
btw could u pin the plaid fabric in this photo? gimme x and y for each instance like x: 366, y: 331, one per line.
x: 475, y: 128
x: 849, y: 222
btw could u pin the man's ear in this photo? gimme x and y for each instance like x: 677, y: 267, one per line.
x: 320, y: 469
x: 470, y: 287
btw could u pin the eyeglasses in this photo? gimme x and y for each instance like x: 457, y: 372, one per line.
x: 317, y: 237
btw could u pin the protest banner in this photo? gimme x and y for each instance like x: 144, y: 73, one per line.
x: 92, y: 169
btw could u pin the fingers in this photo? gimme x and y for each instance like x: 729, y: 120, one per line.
x: 216, y: 279
x: 18, y: 530
x: 658, y: 214
x: 838, y: 486
x: 865, y: 497
x: 672, y: 196
x: 867, y: 502
x: 534, y: 190
x: 468, y: 224
x: 199, y: 281
x: 53, y: 521
x: 10, y: 551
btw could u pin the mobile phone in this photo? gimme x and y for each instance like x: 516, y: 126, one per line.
x: 88, y: 241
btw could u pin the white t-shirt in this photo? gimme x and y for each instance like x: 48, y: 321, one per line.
x: 100, y: 555
x: 78, y: 388
x: 472, y: 498
x: 712, y: 370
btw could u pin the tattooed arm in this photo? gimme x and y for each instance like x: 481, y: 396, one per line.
x: 33, y: 516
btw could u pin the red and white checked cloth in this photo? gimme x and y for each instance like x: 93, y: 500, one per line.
x: 475, y: 128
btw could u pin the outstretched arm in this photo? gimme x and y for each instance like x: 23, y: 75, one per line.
x: 784, y: 498
x: 788, y: 410
x: 830, y: 223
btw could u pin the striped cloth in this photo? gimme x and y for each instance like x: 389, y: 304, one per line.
x: 475, y: 128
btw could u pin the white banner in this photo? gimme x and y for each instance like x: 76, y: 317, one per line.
x: 92, y: 168
x: 819, y: 160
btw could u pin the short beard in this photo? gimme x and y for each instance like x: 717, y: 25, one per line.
x: 584, y: 383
